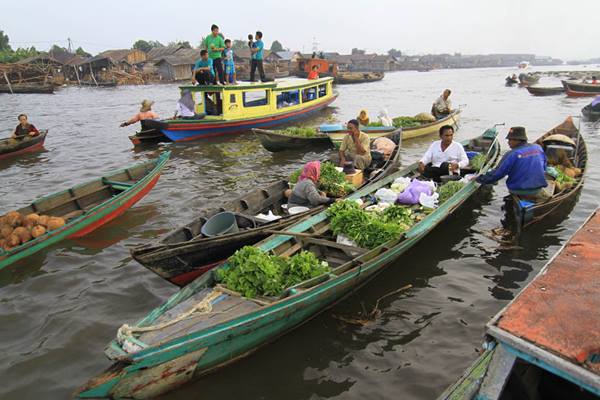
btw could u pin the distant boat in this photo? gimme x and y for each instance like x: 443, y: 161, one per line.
x: 545, y: 91
x: 27, y: 88
x: 579, y: 89
x: 523, y: 64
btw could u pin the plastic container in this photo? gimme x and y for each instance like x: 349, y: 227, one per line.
x: 297, y: 210
x: 220, y: 224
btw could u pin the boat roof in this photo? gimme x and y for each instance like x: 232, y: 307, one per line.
x: 555, y: 319
x: 278, y: 84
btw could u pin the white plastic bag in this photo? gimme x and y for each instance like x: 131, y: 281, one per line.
x: 400, y: 184
x: 429, y: 201
x: 386, y: 195
x: 267, y: 217
x: 432, y: 184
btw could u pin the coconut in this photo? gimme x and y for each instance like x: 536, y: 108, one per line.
x: 37, y: 231
x: 5, y: 230
x: 31, y: 220
x: 55, y: 223
x: 14, y: 219
x: 13, y: 241
x: 43, y: 220
x: 23, y: 234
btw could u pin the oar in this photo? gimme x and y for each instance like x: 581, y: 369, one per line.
x: 490, y: 149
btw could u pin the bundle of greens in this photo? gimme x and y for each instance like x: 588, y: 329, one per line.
x: 449, y: 189
x: 375, y: 123
x: 365, y: 229
x: 399, y: 215
x: 406, y: 122
x: 332, y: 181
x: 478, y: 162
x: 563, y: 181
x: 297, y: 131
x: 252, y: 272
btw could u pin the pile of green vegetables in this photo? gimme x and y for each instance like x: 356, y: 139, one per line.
x: 367, y: 230
x: 478, y: 162
x: 253, y: 272
x: 331, y: 181
x: 449, y: 189
x: 302, y: 132
x: 406, y: 122
x: 564, y: 180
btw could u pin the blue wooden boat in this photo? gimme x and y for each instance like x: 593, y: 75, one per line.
x: 173, y: 344
x: 545, y: 343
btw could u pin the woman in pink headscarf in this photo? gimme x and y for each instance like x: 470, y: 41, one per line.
x: 305, y: 191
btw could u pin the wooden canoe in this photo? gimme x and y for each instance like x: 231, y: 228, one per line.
x: 274, y: 141
x: 344, y: 78
x: 98, y: 84
x: 578, y: 89
x: 590, y: 114
x: 150, y: 363
x: 185, y: 253
x: 527, y: 213
x: 407, y: 133
x: 17, y: 88
x: 14, y: 147
x: 88, y: 206
x: 545, y: 91
x: 510, y: 81
x: 528, y: 79
x: 150, y: 133
x: 546, y: 338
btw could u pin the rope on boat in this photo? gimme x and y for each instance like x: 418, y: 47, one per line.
x: 131, y: 345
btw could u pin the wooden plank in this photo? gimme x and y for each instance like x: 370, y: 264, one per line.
x: 497, y: 375
x: 334, y: 245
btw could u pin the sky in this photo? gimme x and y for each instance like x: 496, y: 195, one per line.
x: 566, y: 29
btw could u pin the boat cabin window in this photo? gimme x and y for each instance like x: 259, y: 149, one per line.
x: 256, y: 98
x: 213, y: 103
x: 287, y: 99
x: 199, y: 102
x: 309, y: 94
x: 232, y: 99
x: 322, y: 90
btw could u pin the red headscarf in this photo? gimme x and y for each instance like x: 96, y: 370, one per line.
x: 312, y: 171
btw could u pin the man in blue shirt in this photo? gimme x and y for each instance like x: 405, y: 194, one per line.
x: 257, y: 58
x: 525, y: 165
x: 203, y: 72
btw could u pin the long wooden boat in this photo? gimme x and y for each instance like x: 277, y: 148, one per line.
x: 26, y: 88
x: 275, y: 141
x: 510, y: 81
x: 151, y: 132
x: 528, y: 79
x: 344, y: 78
x: 590, y: 114
x: 407, y: 133
x: 14, y: 147
x: 98, y: 83
x: 528, y: 213
x: 237, y: 108
x: 545, y: 91
x: 578, y: 89
x: 546, y: 339
x: 185, y: 253
x: 230, y: 327
x: 88, y: 206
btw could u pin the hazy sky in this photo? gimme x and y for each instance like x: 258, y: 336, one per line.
x: 565, y: 29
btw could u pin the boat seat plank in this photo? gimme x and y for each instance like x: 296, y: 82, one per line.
x: 224, y: 307
x: 328, y: 243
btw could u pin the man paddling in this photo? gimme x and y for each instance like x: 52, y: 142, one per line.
x: 525, y: 165
x: 442, y: 107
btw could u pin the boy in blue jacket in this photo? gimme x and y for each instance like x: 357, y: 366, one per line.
x: 525, y: 165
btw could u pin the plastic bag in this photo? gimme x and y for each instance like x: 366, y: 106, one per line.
x: 411, y: 194
x: 400, y: 184
x: 386, y: 195
x: 429, y: 201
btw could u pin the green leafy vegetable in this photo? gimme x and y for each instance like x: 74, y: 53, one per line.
x: 400, y: 215
x: 331, y: 181
x: 302, y: 132
x: 449, y: 189
x: 365, y: 229
x: 406, y: 122
x: 295, y: 175
x: 478, y: 161
x: 253, y: 272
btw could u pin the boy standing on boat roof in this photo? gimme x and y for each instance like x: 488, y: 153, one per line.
x: 203, y: 72
x: 229, y: 64
x: 257, y: 58
x: 215, y: 45
x: 442, y: 107
x: 355, y: 147
x: 525, y: 165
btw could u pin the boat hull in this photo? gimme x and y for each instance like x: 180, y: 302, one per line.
x: 589, y: 114
x: 89, y: 221
x: 178, y: 131
x: 28, y: 145
x: 575, y: 89
x: 545, y: 91
x: 275, y: 142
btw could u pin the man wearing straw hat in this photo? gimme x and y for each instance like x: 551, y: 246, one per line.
x: 145, y: 113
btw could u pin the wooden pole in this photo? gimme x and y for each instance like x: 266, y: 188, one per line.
x: 8, y: 81
x: 77, y: 75
x: 92, y: 73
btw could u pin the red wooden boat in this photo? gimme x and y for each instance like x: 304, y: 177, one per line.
x: 13, y: 147
x: 579, y: 89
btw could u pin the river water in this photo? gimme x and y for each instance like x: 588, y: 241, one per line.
x: 60, y: 307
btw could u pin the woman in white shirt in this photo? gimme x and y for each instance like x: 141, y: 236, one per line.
x: 185, y: 106
x: 444, y: 157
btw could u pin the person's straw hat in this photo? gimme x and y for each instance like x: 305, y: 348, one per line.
x: 146, y: 105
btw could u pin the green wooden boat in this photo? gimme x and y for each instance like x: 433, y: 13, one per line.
x: 88, y: 206
x: 172, y: 344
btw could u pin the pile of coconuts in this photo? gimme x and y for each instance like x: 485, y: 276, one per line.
x: 16, y: 228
